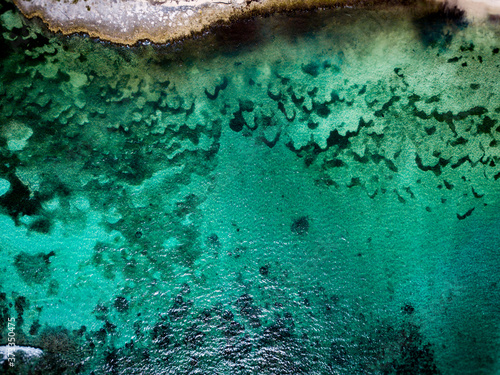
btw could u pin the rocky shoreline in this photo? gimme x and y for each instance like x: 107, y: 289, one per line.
x: 130, y: 21
x: 160, y: 21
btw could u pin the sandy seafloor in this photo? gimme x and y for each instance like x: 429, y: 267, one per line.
x: 311, y: 193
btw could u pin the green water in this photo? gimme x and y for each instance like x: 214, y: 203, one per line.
x: 313, y: 193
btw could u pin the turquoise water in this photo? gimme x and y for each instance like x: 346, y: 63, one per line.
x: 311, y: 193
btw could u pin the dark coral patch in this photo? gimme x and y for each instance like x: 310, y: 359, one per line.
x: 33, y: 268
x: 179, y: 309
x: 300, y: 226
x: 121, y: 304
x: 18, y: 200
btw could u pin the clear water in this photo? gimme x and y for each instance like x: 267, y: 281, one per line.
x: 308, y: 193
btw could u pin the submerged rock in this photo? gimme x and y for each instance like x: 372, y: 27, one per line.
x: 300, y: 226
x: 33, y: 268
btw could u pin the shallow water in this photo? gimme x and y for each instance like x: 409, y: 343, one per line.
x: 314, y: 193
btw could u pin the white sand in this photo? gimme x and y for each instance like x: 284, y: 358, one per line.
x: 128, y: 21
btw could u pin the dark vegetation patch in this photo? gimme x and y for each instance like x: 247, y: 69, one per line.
x: 33, y: 269
x: 247, y: 309
x: 18, y: 200
x: 275, y: 347
x: 121, y: 304
x: 454, y: 59
x: 436, y: 168
x: 180, y: 308
x: 486, y: 125
x: 218, y: 88
x: 264, y: 270
x: 300, y: 226
x: 313, y: 68
x: 466, y: 215
x: 41, y: 225
x: 35, y: 327
x: 62, y: 352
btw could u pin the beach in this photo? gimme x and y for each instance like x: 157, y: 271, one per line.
x: 130, y: 21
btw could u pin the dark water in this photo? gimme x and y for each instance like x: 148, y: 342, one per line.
x: 308, y: 193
